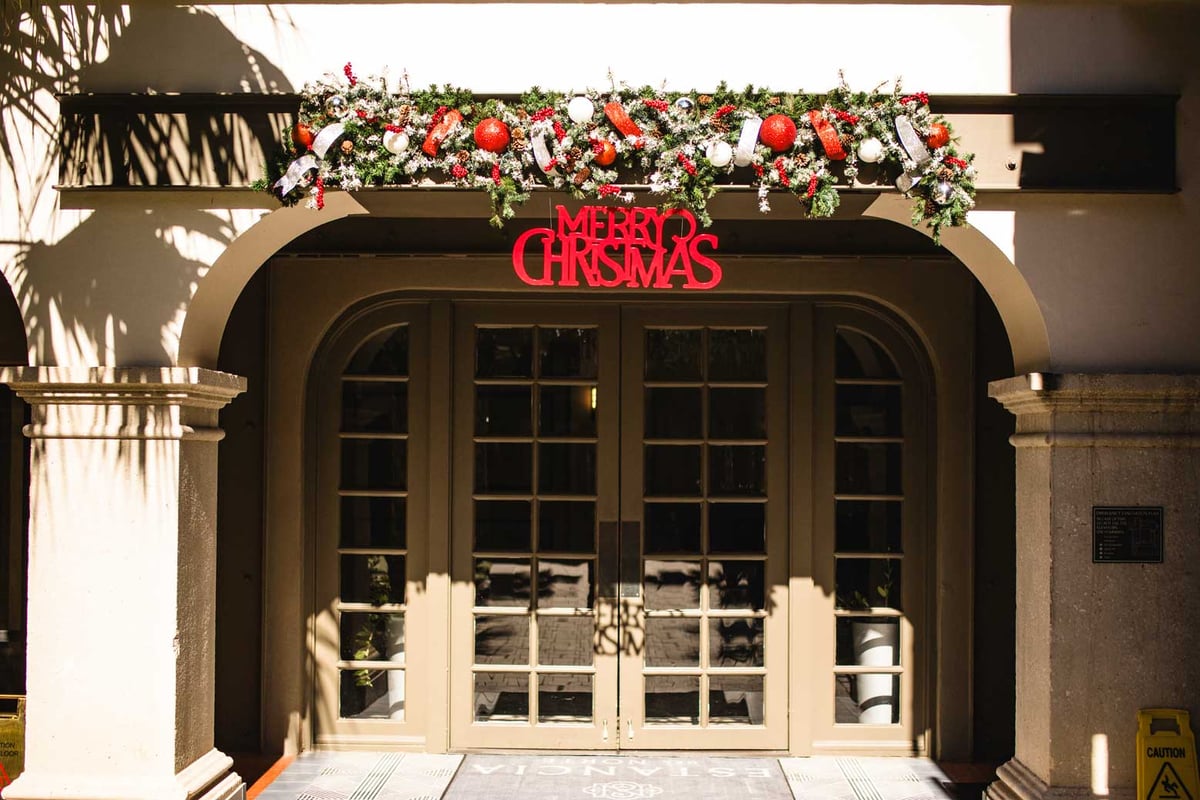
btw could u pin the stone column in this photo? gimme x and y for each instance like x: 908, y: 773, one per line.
x: 122, y: 592
x: 1098, y: 641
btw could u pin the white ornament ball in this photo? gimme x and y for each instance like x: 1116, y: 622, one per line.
x: 581, y: 110
x: 870, y: 150
x: 719, y: 153
x: 395, y: 142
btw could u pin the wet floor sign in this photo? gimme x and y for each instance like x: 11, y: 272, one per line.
x: 1166, y: 765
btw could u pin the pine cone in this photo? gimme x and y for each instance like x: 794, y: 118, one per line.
x: 705, y: 100
x: 519, y: 145
x: 347, y: 147
x: 930, y: 208
x: 773, y: 101
x: 945, y: 174
x: 463, y: 156
x: 575, y: 154
x: 402, y: 115
x: 582, y: 176
x: 522, y: 114
x: 846, y: 139
x: 518, y: 134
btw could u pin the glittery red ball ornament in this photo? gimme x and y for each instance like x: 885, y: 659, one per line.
x: 778, y: 132
x: 607, y: 154
x: 491, y: 134
x: 302, y: 137
x: 939, y: 135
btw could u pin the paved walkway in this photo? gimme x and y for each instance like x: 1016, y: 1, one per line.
x: 415, y: 776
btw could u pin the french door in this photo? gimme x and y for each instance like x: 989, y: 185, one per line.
x: 620, y: 527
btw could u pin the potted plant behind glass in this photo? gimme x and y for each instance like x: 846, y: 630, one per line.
x: 875, y: 642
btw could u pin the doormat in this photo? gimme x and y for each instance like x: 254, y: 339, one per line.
x: 363, y: 776
x: 547, y: 777
x: 832, y: 778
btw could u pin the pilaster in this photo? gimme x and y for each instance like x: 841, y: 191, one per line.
x: 1098, y: 641
x: 122, y: 583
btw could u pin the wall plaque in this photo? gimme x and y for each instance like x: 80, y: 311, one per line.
x: 1127, y: 534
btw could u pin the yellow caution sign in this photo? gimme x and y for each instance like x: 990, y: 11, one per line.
x: 1166, y: 764
x: 12, y: 737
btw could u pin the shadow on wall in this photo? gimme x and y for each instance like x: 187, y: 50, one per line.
x: 113, y: 289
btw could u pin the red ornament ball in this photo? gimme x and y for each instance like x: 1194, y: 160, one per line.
x: 939, y: 135
x: 607, y: 153
x: 778, y: 132
x: 302, y: 137
x: 491, y: 134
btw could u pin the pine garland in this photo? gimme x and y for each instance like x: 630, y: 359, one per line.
x: 673, y: 152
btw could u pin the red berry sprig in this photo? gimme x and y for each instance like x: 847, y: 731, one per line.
x: 812, y: 186
x: 608, y: 190
x: 320, y: 192
x: 437, y: 117
x: 688, y: 166
x: 349, y: 74
x: 390, y: 128
x: 551, y: 164
x: 458, y: 171
x: 955, y: 162
x: 784, y: 180
x: 919, y: 97
x: 560, y: 132
x: 845, y: 116
x: 496, y: 174
x: 545, y: 113
x: 660, y: 106
x: 597, y: 146
x: 758, y: 169
x: 722, y: 111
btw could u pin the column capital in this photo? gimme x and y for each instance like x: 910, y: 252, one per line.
x: 123, y: 402
x: 1109, y: 393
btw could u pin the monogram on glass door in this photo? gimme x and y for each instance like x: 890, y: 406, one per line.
x: 618, y: 490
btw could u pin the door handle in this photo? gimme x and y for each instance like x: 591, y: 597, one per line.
x: 604, y: 735
x: 629, y: 729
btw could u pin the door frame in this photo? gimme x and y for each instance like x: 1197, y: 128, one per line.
x: 932, y: 299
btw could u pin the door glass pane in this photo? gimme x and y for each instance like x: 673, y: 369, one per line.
x: 564, y: 698
x: 375, y: 579
x: 737, y: 413
x: 863, y: 583
x: 502, y: 525
x: 859, y: 356
x: 867, y: 468
x: 566, y: 468
x: 503, y: 411
x: 373, y: 522
x: 737, y: 355
x: 673, y: 355
x: 868, y: 699
x: 502, y: 582
x: 504, y: 353
x: 868, y: 411
x: 569, y: 352
x: 674, y: 413
x: 672, y: 470
x: 673, y: 698
x: 565, y: 641
x: 502, y: 639
x: 374, y: 407
x: 868, y: 526
x: 374, y: 464
x: 736, y: 584
x: 672, y: 528
x: 503, y: 468
x: 385, y: 353
x: 567, y: 526
x: 372, y: 637
x: 672, y: 585
x: 567, y: 411
x: 372, y: 694
x: 501, y: 696
x: 737, y: 527
x: 672, y: 642
x: 868, y: 641
x: 735, y: 699
x: 737, y: 470
x: 565, y: 583
x: 735, y: 642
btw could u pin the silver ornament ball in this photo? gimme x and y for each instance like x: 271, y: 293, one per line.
x: 870, y: 150
x: 337, y: 106
x: 684, y: 104
x: 943, y: 192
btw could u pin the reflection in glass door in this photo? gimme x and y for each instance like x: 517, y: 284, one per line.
x: 573, y: 437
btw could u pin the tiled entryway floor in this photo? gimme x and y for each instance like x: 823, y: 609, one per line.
x: 414, y: 776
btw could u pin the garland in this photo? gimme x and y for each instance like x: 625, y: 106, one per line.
x: 355, y: 132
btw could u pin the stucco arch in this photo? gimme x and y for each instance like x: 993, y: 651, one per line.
x: 985, y: 248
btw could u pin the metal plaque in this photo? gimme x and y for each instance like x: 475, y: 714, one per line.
x: 1127, y: 534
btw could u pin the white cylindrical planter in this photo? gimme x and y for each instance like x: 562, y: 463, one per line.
x: 395, y: 677
x: 875, y: 646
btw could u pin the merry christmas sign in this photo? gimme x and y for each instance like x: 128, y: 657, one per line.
x: 610, y: 247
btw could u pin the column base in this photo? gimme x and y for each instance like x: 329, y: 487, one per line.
x: 209, y: 777
x: 1015, y: 781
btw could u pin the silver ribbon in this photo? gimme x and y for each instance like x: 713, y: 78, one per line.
x: 295, y: 173
x: 325, y: 139
x: 912, y: 142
